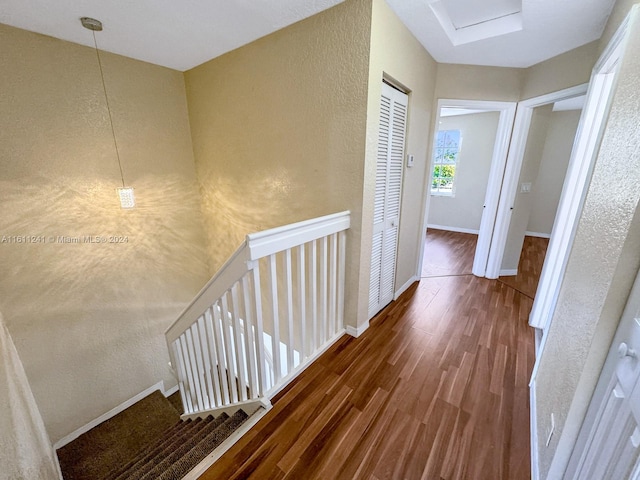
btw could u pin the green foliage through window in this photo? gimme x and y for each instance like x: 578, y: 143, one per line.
x: 445, y: 158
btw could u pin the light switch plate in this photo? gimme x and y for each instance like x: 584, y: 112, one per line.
x: 409, y: 161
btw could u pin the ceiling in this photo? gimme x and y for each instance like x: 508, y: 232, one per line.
x: 547, y: 28
x: 178, y: 34
x: 183, y: 34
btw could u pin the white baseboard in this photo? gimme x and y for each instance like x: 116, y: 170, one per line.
x: 537, y: 234
x: 357, y: 331
x: 452, y: 229
x: 535, y: 474
x: 404, y: 287
x: 171, y: 391
x: 508, y: 272
x: 56, y: 461
x: 110, y: 414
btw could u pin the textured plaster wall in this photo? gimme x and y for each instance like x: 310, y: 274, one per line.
x: 397, y: 54
x: 464, y: 208
x: 547, y: 187
x: 601, y: 268
x: 278, y: 129
x: 472, y: 82
x: 563, y: 71
x: 88, y: 318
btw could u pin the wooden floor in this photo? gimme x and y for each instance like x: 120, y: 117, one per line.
x: 534, y: 250
x: 436, y: 388
x: 448, y: 253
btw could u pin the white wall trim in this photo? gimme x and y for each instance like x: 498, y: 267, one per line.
x: 535, y: 474
x: 404, y: 287
x: 357, y: 331
x: 509, y: 272
x: 537, y: 234
x: 106, y: 416
x: 452, y: 229
x: 171, y: 391
x: 56, y: 461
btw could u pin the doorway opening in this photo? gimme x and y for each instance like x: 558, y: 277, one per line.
x: 552, y: 131
x: 469, y: 154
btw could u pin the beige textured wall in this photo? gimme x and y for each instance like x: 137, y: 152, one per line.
x: 560, y: 72
x: 464, y: 208
x: 602, y: 265
x: 278, y: 129
x: 472, y: 82
x: 547, y: 187
x: 88, y: 319
x: 396, y: 53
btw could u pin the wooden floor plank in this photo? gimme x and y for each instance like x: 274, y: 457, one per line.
x: 436, y: 388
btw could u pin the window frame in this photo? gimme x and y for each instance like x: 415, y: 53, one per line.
x: 435, y: 163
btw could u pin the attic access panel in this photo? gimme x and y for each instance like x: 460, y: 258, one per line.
x: 467, y: 21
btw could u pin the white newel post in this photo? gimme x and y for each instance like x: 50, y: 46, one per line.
x: 25, y: 449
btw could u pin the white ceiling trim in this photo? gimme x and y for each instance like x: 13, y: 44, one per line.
x: 495, y: 27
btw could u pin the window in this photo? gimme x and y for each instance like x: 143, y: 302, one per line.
x: 445, y: 158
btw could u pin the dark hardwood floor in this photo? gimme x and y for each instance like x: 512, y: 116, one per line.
x: 448, y: 253
x: 436, y: 388
x: 534, y: 250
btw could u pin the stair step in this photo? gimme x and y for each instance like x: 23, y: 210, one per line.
x: 181, y: 448
x: 171, y: 438
x: 182, y: 460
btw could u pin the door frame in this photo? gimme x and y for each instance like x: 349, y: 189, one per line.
x: 507, y: 112
x: 515, y: 160
x: 583, y: 156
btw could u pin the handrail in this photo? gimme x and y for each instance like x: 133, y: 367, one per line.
x: 232, y: 270
x: 256, y: 245
x: 217, y: 344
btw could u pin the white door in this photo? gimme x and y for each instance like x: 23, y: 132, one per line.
x: 386, y: 212
x: 609, y: 443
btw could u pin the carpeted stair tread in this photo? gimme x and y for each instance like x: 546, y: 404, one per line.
x: 174, y: 434
x: 118, y: 440
x: 164, y: 448
x: 180, y: 426
x: 180, y: 462
x: 172, y: 437
x: 143, y: 471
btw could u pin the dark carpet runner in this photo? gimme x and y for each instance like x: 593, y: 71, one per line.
x: 168, y: 451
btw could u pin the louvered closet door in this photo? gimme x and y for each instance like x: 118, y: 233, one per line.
x: 386, y: 213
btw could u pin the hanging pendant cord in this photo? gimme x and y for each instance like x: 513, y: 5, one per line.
x: 104, y: 88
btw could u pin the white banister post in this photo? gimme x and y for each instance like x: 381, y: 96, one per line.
x: 342, y: 237
x: 333, y: 286
x: 253, y: 366
x: 302, y: 298
x: 257, y: 301
x: 275, y: 337
x: 289, y: 287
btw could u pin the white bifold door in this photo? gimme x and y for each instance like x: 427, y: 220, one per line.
x: 386, y: 212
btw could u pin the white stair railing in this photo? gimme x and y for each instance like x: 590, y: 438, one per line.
x: 269, y: 311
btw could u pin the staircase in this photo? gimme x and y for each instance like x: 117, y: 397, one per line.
x: 180, y: 448
x: 146, y: 441
x: 272, y: 309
